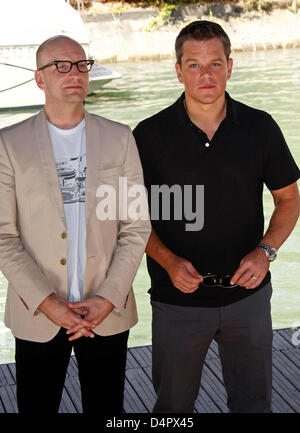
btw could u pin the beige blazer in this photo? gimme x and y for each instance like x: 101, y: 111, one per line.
x: 33, y: 233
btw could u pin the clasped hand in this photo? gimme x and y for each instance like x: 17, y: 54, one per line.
x: 79, y: 318
x: 94, y: 310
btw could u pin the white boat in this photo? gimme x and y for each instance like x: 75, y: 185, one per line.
x: 24, y: 25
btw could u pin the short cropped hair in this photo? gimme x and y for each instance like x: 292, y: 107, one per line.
x: 201, y: 31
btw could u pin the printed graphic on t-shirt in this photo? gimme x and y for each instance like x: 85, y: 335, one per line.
x: 72, y: 175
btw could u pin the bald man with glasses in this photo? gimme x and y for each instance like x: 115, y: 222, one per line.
x: 69, y: 273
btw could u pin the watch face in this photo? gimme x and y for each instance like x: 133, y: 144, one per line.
x: 271, y: 253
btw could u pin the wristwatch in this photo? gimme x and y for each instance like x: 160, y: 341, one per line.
x: 270, y: 252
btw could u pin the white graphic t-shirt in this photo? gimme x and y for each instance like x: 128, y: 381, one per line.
x: 69, y: 147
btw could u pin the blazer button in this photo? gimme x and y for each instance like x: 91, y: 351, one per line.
x: 64, y: 235
x: 63, y: 261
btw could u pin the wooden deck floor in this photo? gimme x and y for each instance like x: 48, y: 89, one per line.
x: 139, y: 392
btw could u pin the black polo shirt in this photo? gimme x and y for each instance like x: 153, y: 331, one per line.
x: 247, y: 151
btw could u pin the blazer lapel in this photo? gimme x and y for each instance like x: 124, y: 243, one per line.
x: 92, y: 157
x: 48, y: 161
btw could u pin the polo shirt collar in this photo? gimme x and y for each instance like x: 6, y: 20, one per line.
x: 232, y: 109
x: 182, y: 118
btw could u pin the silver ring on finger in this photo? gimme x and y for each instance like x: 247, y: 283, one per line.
x: 253, y: 277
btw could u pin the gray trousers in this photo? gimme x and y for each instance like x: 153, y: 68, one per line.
x: 181, y: 338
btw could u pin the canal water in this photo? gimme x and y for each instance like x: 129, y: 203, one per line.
x: 268, y: 80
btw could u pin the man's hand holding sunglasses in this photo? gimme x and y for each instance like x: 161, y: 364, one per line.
x: 183, y: 275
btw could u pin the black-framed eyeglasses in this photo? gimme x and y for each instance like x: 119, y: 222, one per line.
x: 65, y: 66
x: 212, y: 280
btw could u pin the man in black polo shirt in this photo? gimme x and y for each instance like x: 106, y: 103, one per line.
x: 210, y: 157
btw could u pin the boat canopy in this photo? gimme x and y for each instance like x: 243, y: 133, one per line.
x: 29, y: 22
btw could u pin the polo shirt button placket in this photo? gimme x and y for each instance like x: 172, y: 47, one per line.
x: 207, y: 145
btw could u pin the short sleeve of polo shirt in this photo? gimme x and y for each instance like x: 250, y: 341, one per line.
x: 280, y: 168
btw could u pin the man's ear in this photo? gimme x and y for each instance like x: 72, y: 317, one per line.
x: 178, y: 72
x: 39, y: 79
x: 229, y: 68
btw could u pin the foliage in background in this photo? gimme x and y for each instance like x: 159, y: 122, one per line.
x: 160, y: 3
x: 174, y: 2
x: 167, y: 5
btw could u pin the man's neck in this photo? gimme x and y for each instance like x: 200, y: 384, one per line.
x: 64, y: 118
x: 206, y: 116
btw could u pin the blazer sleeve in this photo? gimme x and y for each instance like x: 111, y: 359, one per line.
x: 22, y: 272
x: 133, y: 234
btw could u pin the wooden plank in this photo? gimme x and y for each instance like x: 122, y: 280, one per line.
x: 142, y: 355
x: 279, y: 405
x: 6, y: 377
x: 204, y: 404
x: 286, y: 390
x: 288, y: 387
x: 213, y: 387
x: 213, y: 351
x: 12, y: 369
x: 294, y: 357
x: 2, y: 408
x: 287, y: 334
x: 215, y: 366
x: 132, y: 402
x: 8, y: 398
x: 72, y: 367
x: 72, y: 388
x: 66, y: 405
x: 288, y: 369
x: 142, y: 385
x: 131, y: 362
x: 280, y: 342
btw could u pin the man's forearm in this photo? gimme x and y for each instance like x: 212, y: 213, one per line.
x: 158, y: 251
x: 181, y: 272
x: 254, y: 266
x: 284, y: 217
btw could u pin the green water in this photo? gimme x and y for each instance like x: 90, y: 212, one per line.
x: 267, y: 80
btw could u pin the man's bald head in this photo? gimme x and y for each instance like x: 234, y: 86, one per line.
x: 46, y: 45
